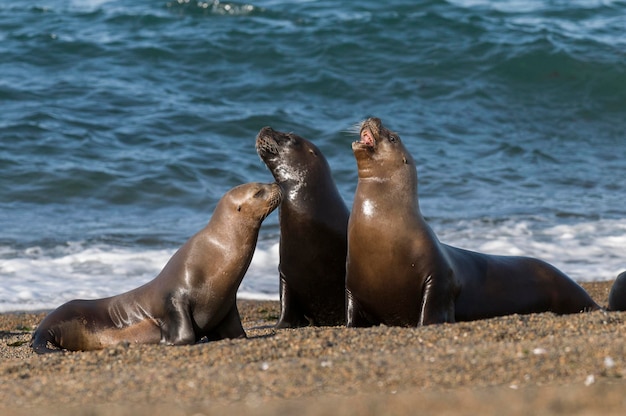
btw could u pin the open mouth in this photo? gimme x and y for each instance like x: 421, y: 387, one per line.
x: 369, y: 133
x: 367, y: 138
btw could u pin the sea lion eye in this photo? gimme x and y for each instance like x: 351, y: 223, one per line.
x: 392, y: 138
x: 259, y: 193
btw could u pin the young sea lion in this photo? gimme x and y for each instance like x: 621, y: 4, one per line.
x: 194, y: 295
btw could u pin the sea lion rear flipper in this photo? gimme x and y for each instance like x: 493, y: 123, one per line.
x: 39, y: 342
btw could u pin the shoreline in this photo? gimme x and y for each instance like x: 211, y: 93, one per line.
x: 597, y: 289
x: 539, y: 363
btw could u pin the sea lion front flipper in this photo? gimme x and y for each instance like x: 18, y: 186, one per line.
x: 437, y: 301
x: 355, y: 315
x: 229, y: 328
x: 178, y: 329
x: 291, y: 315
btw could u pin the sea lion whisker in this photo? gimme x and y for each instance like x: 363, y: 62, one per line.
x: 355, y: 128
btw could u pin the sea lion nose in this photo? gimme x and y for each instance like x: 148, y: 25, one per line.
x: 373, y: 124
x: 266, y: 130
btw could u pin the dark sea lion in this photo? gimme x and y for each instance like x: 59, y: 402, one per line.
x: 313, y: 231
x: 617, y: 295
x: 192, y: 297
x: 398, y: 273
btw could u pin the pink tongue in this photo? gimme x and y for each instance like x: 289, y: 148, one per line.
x: 366, y: 138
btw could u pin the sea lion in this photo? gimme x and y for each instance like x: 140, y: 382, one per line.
x: 192, y: 297
x: 313, y: 231
x: 398, y: 273
x: 617, y: 295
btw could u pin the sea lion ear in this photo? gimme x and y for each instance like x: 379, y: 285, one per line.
x: 238, y: 208
x: 404, y: 160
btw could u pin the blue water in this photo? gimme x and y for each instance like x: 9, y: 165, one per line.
x: 123, y: 122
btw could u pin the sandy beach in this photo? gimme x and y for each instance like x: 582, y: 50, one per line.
x: 519, y: 364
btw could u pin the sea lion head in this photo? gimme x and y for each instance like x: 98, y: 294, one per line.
x: 290, y: 158
x: 380, y: 153
x: 254, y: 201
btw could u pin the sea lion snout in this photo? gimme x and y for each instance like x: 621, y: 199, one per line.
x: 367, y: 138
x: 266, y: 143
x: 369, y: 133
x: 275, y: 198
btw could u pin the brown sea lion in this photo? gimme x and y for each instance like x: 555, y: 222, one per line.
x: 313, y: 231
x: 617, y: 295
x: 398, y: 273
x: 194, y: 295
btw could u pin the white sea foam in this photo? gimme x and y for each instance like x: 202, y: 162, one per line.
x: 261, y: 281
x: 585, y: 251
x: 37, y: 278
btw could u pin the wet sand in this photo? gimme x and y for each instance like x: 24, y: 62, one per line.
x: 520, y: 364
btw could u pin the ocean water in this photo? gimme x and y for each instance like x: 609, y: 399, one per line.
x: 124, y: 121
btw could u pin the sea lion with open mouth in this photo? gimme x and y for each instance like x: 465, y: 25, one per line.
x: 398, y: 273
